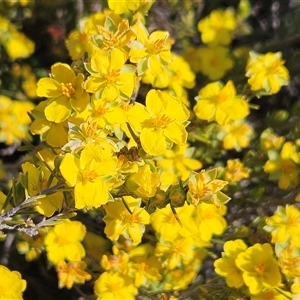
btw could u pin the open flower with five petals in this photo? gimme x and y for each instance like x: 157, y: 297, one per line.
x: 87, y: 175
x: 65, y: 91
x: 111, y: 79
x: 161, y: 123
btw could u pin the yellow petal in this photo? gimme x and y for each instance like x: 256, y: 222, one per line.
x: 91, y: 194
x: 58, y: 110
x: 176, y: 133
x: 57, y: 136
x: 62, y: 73
x: 69, y: 169
x: 153, y: 141
x: 48, y: 87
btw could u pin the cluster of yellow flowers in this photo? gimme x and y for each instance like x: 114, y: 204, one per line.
x: 15, y: 43
x: 14, y: 120
x: 123, y: 155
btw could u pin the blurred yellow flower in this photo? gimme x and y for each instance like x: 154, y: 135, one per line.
x: 236, y: 135
x: 218, y: 102
x: 270, y: 140
x: 217, y: 28
x: 122, y: 6
x: 115, y: 286
x: 266, y: 72
x: 12, y: 285
x: 177, y: 162
x: 235, y: 171
x: 144, y: 182
x: 70, y: 273
x: 177, y: 75
x: 214, y: 61
x: 284, y: 166
x: 62, y: 242
x: 119, y: 221
x: 284, y: 225
x: 14, y: 121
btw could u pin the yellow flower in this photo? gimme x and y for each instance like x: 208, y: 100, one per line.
x: 66, y: 93
x: 144, y: 183
x: 209, y: 221
x: 31, y: 247
x: 284, y: 166
x: 105, y: 113
x: 272, y: 294
x: 19, y: 46
x: 144, y: 266
x: 118, y: 34
x: 71, y: 273
x: 259, y: 267
x: 217, y: 28
x: 80, y: 41
x: 226, y: 266
x: 111, y: 79
x: 177, y: 253
x: 11, y: 284
x: 150, y: 51
x: 177, y: 75
x: 235, y: 171
x: 284, y: 225
x: 236, y: 135
x: 162, y: 121
x: 119, y: 221
x: 214, y: 61
x: 117, y: 261
x: 204, y: 187
x: 86, y: 174
x: 114, y: 286
x: 177, y: 162
x: 122, y: 6
x: 55, y: 134
x: 16, y: 43
x: 38, y: 179
x: 266, y: 72
x: 14, y: 120
x: 62, y: 242
x: 288, y: 260
x: 166, y: 225
x: 270, y: 141
x: 220, y: 103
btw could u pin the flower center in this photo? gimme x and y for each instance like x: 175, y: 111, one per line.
x: 67, y: 89
x: 62, y: 240
x: 161, y: 121
x: 156, y: 47
x: 113, y: 287
x: 221, y: 97
x: 112, y: 76
x: 134, y: 218
x: 89, y: 175
x: 101, y: 110
x: 260, y: 268
x: 91, y: 129
x: 287, y: 166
